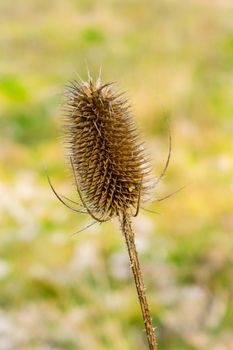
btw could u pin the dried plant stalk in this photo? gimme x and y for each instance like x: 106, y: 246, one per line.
x: 133, y: 255
x: 112, y: 173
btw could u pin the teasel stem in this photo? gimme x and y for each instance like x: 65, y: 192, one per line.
x: 128, y: 233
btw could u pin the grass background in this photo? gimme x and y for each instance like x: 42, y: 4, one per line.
x: 59, y: 291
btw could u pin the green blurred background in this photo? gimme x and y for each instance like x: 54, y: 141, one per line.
x: 61, y: 291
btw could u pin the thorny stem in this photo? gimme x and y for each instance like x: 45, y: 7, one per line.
x: 135, y: 266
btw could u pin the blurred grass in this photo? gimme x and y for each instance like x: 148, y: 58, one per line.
x: 59, y: 291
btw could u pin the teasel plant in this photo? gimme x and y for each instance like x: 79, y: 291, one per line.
x: 112, y: 172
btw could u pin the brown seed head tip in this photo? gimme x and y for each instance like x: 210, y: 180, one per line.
x: 109, y: 160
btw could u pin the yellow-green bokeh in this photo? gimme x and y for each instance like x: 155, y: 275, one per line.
x: 60, y: 291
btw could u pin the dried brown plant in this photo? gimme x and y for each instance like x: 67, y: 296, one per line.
x: 111, y: 171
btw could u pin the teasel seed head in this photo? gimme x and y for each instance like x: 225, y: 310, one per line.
x: 111, y: 171
x: 108, y: 159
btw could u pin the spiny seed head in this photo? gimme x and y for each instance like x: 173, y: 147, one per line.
x: 108, y: 158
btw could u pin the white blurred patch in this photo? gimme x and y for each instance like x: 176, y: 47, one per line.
x: 11, y: 335
x: 4, y: 269
x: 224, y: 163
x: 85, y: 256
x: 119, y: 265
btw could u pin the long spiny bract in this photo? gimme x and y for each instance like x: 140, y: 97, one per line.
x: 109, y: 160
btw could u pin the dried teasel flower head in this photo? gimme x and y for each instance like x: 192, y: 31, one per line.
x: 109, y: 163
x: 111, y: 171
